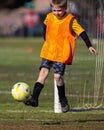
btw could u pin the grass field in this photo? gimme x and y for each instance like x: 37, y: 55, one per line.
x: 19, y: 61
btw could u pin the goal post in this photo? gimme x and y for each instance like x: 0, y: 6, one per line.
x: 57, y: 105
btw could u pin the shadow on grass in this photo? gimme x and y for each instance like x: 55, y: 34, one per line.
x: 86, y: 109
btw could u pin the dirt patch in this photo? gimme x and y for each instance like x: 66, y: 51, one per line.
x: 48, y: 126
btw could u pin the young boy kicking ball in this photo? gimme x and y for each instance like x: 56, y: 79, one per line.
x: 60, y: 32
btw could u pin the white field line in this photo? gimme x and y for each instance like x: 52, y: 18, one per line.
x: 46, y: 120
x: 51, y: 111
x: 13, y: 111
x: 24, y: 111
x: 68, y: 95
x: 5, y: 92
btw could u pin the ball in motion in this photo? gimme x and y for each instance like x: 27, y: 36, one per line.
x: 21, y: 91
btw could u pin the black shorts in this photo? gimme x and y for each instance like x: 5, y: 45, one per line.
x: 59, y: 68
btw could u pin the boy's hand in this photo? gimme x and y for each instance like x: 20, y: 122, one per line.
x: 92, y: 50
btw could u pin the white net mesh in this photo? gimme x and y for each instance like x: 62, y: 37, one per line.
x: 85, y: 78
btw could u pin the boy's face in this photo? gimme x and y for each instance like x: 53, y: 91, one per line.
x: 58, y: 12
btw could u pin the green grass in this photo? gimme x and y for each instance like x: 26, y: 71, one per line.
x: 18, y: 63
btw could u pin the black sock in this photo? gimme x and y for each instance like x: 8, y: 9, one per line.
x: 61, y: 92
x: 37, y: 89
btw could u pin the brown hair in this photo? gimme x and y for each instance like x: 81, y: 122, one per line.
x: 60, y: 3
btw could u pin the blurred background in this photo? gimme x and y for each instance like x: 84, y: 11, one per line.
x: 24, y: 18
x: 19, y: 55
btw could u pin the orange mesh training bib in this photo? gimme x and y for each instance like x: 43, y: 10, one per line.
x: 60, y: 40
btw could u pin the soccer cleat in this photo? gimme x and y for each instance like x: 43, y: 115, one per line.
x: 64, y: 105
x: 31, y: 102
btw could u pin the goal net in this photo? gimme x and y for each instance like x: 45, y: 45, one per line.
x: 84, y: 79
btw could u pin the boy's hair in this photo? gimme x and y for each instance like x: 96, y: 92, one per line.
x: 60, y: 3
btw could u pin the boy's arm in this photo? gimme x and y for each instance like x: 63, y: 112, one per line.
x: 85, y: 37
x: 79, y: 30
x: 44, y: 31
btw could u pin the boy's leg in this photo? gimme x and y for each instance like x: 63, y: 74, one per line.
x: 37, y: 89
x: 62, y: 98
x: 33, y: 101
x: 44, y: 71
x: 59, y: 69
x: 61, y: 91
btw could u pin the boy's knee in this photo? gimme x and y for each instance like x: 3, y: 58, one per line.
x: 58, y: 78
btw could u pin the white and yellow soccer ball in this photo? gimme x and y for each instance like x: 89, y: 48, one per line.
x: 21, y: 91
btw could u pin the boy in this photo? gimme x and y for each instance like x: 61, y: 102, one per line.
x: 60, y: 31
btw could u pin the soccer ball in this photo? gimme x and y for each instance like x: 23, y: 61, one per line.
x: 21, y: 91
